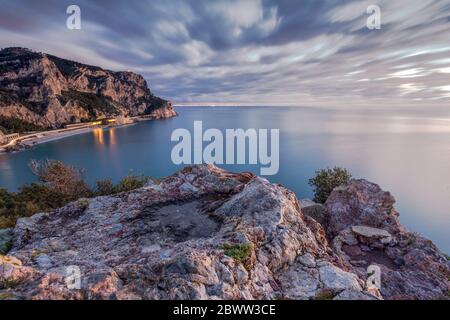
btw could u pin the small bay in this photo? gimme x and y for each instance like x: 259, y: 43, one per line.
x: 405, y: 152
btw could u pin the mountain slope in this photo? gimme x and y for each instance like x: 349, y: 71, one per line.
x: 47, y: 91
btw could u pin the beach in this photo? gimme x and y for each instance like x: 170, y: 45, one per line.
x: 35, y: 138
x: 41, y: 137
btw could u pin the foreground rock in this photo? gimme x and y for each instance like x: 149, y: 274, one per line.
x: 202, y: 233
x: 366, y: 231
x: 316, y: 211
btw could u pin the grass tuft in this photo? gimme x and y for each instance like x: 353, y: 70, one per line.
x: 239, y: 252
x: 5, y: 296
x: 324, y: 294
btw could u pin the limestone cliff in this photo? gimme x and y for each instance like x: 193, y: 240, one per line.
x: 205, y: 233
x: 45, y: 91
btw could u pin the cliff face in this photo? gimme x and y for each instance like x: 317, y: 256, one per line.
x: 48, y: 91
x: 205, y: 233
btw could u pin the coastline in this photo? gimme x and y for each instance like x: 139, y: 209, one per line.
x: 36, y: 138
x: 56, y: 136
x: 40, y: 138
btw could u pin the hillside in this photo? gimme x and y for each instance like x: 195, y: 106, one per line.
x: 39, y: 91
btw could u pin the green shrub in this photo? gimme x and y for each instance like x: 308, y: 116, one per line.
x: 239, y: 252
x: 131, y: 182
x: 105, y: 187
x: 5, y: 296
x: 58, y: 185
x: 324, y: 294
x: 61, y: 178
x: 14, y: 125
x: 326, y: 180
x: 83, y: 203
x: 91, y: 102
x: 128, y: 183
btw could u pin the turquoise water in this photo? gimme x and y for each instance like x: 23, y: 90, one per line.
x: 407, y: 153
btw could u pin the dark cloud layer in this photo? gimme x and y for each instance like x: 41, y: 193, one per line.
x: 275, y: 52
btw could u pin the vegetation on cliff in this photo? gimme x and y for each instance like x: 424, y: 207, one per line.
x: 58, y: 184
x: 12, y: 125
x: 48, y: 92
x: 326, y: 180
x: 90, y: 102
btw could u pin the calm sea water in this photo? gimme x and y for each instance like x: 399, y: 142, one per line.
x: 406, y: 152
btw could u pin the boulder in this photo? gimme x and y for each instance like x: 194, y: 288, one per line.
x: 361, y: 202
x: 373, y: 233
x: 336, y: 279
x: 365, y: 231
x: 315, y: 210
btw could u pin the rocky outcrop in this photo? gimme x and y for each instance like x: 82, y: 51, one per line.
x: 47, y: 91
x: 316, y: 211
x: 202, y: 233
x: 365, y: 229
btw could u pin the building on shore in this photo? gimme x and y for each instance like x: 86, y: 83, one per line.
x: 6, y: 138
x: 119, y: 120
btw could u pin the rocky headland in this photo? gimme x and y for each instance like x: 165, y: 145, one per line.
x: 204, y: 233
x: 39, y: 91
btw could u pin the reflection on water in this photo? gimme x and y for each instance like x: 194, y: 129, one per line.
x: 98, y: 135
x: 406, y: 152
x: 112, y: 136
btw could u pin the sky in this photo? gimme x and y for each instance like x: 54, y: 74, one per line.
x: 253, y: 52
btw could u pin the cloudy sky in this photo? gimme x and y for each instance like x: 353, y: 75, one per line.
x: 257, y: 52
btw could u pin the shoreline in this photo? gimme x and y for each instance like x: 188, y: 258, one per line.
x: 25, y: 143
x: 34, y: 138
x: 40, y: 138
x: 55, y: 136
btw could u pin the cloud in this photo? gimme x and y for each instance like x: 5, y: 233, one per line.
x: 308, y: 52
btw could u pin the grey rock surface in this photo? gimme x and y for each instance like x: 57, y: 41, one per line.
x: 205, y: 233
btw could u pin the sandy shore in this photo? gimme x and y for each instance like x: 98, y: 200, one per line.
x: 51, y: 136
x: 47, y: 136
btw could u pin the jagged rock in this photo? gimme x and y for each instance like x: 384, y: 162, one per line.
x: 336, y: 279
x: 316, y: 211
x: 365, y: 230
x: 354, y: 295
x: 300, y: 284
x: 369, y: 232
x: 361, y: 203
x: 46, y: 91
x: 203, y: 233
x: 307, y: 260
